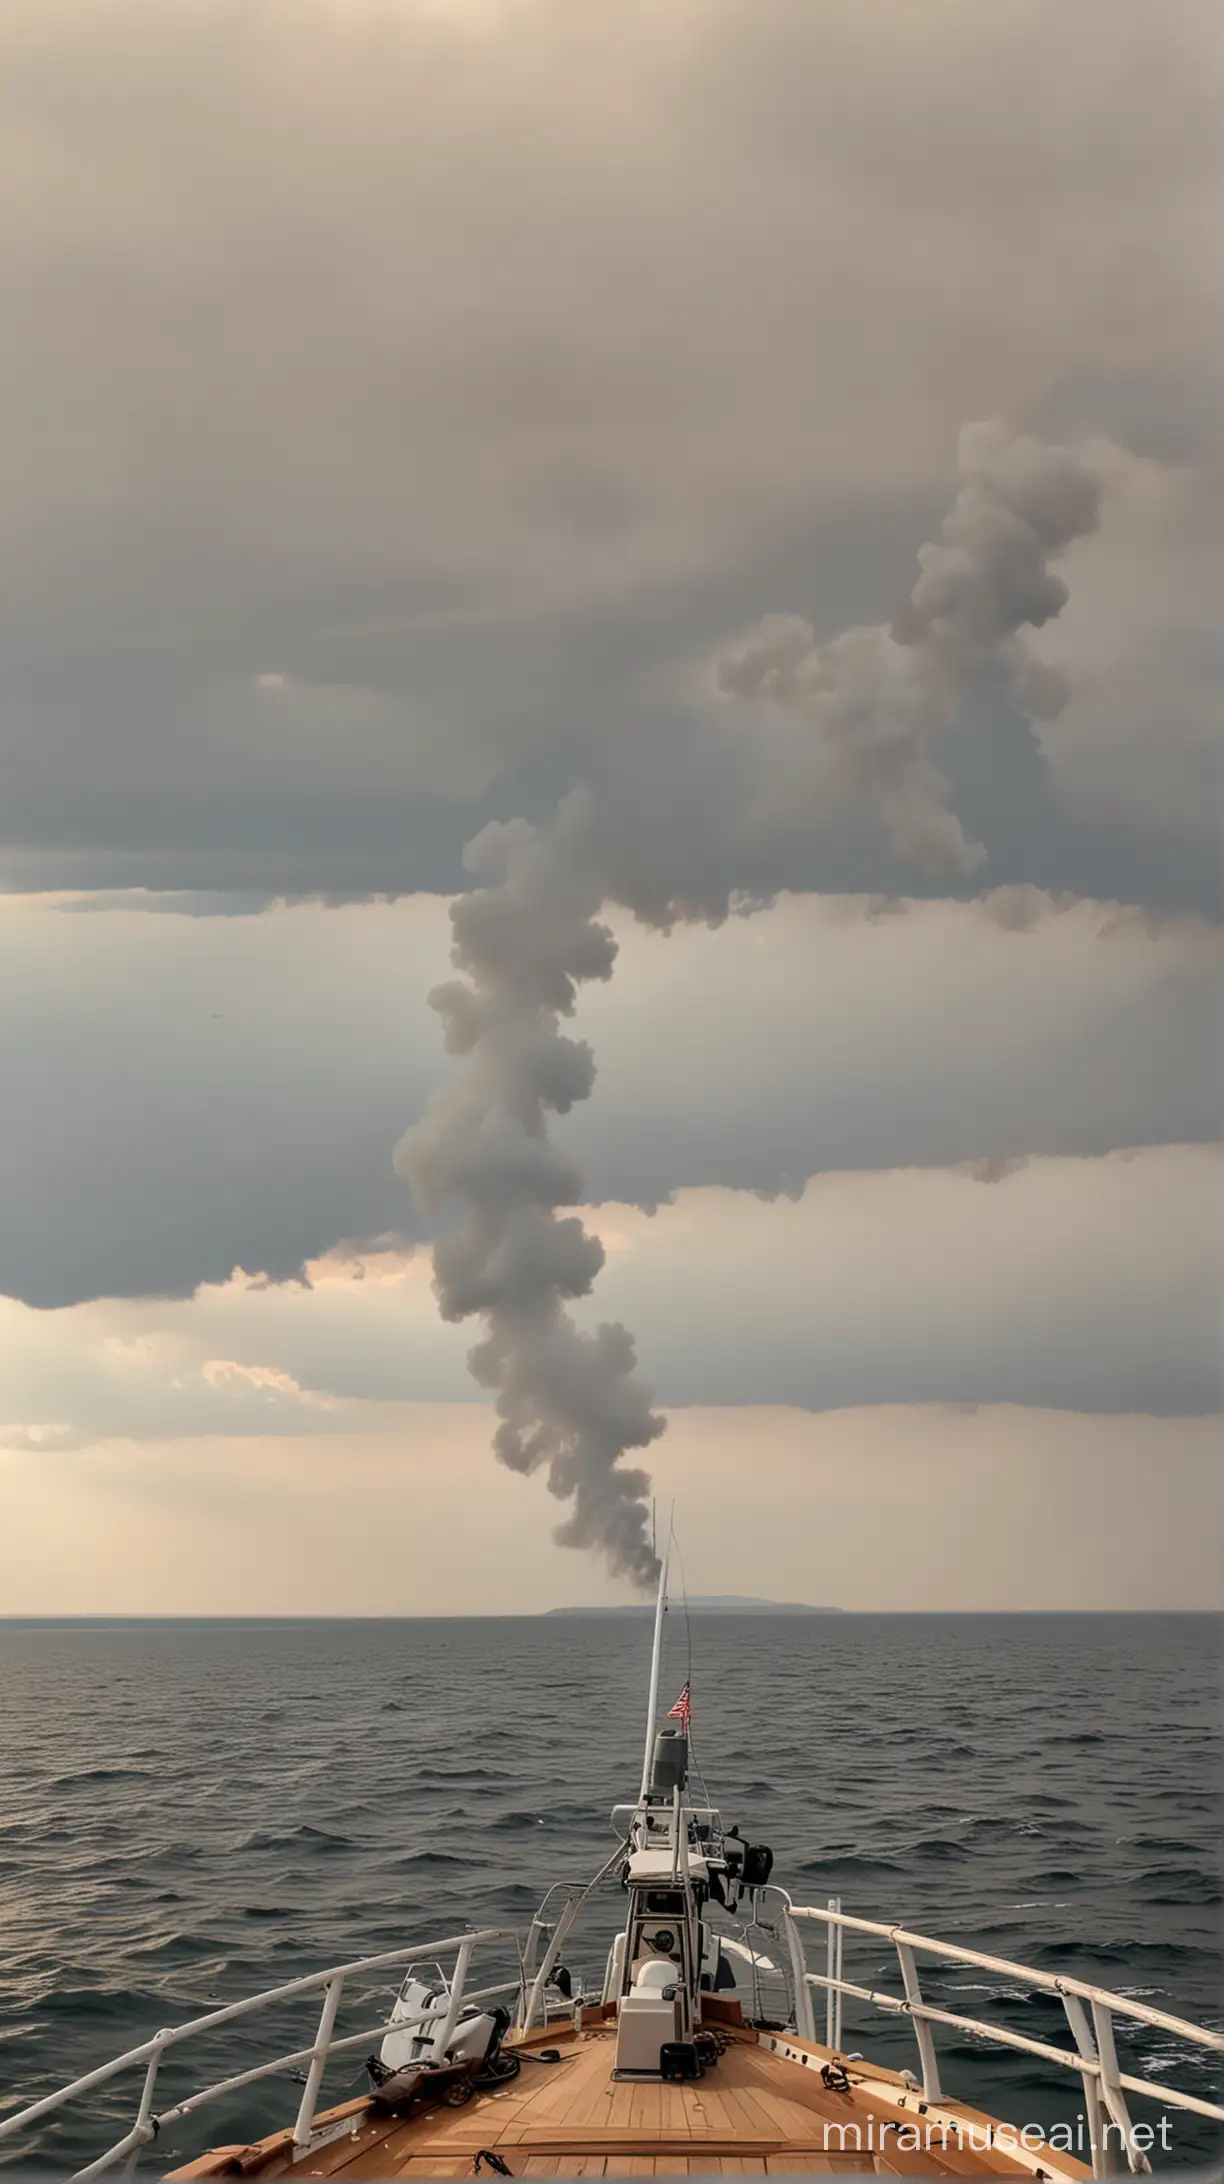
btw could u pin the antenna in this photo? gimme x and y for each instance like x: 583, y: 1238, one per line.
x: 655, y: 1659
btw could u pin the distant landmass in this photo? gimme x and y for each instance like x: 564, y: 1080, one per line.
x: 710, y: 1604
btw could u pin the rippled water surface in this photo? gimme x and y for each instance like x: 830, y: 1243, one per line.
x: 189, y: 1812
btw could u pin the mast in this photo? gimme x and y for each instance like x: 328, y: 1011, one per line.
x: 655, y: 1659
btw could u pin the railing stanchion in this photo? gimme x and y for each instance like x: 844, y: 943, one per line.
x: 838, y: 1951
x: 922, y: 2030
x: 144, y: 2111
x: 531, y: 1950
x: 442, y: 2037
x: 548, y: 1962
x: 805, y: 2023
x: 831, y: 1933
x: 318, y: 2060
x: 1111, y: 2089
x: 1077, y: 2018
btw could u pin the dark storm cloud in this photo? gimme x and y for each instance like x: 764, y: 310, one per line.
x: 181, y: 1095
x: 1027, y: 1290
x: 342, y: 842
x: 478, y: 370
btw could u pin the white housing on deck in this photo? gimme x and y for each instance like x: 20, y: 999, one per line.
x: 650, y: 2018
x: 666, y: 1875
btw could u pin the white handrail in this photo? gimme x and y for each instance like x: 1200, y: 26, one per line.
x: 138, y: 2136
x: 1094, y: 2056
x: 151, y: 2051
x: 577, y: 1897
x: 338, y: 2047
x: 897, y: 2006
x: 1054, y: 1983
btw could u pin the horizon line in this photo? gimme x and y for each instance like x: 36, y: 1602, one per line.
x: 533, y: 1615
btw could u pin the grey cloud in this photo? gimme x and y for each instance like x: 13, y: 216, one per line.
x: 406, y: 397
x: 71, y: 1382
x: 1143, y: 653
x: 335, y: 839
x: 1083, y: 1286
x: 929, y: 1039
x: 1079, y: 1285
x: 183, y: 1095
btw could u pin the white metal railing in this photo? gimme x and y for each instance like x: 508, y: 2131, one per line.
x: 574, y: 1897
x: 315, y: 2057
x: 1089, y: 2010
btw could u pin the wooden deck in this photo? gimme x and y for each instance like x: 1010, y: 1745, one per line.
x: 756, y: 2111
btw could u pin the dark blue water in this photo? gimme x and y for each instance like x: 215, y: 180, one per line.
x: 190, y: 1811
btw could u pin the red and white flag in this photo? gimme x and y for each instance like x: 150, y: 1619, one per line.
x: 682, y: 1708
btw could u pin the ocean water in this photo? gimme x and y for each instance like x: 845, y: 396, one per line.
x: 191, y: 1811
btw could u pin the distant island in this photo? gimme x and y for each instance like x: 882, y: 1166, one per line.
x: 709, y: 1604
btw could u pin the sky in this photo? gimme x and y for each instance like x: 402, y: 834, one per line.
x: 641, y: 441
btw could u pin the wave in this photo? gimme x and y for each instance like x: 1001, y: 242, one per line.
x: 463, y: 1774
x: 432, y: 1861
x: 84, y: 1777
x: 854, y: 1866
x: 1179, y: 1885
x: 318, y: 1841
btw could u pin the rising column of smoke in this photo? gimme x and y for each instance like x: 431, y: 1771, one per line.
x: 565, y: 1399
x: 858, y: 716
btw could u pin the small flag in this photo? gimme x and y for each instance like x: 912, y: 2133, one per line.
x: 682, y: 1708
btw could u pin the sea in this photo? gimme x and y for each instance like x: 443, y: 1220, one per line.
x: 192, y: 1811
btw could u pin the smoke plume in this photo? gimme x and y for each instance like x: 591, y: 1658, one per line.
x: 566, y: 1400
x: 859, y: 715
x: 875, y: 698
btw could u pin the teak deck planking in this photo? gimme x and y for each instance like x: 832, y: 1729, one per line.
x: 754, y: 2112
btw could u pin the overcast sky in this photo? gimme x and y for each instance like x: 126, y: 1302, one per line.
x: 407, y: 403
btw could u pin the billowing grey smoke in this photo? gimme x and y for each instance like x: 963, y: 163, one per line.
x: 565, y: 1399
x: 876, y: 697
x: 855, y: 720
